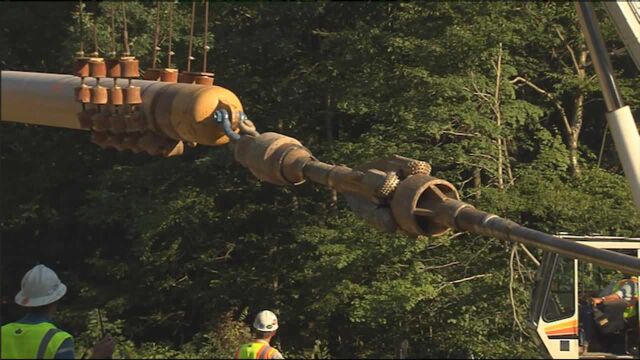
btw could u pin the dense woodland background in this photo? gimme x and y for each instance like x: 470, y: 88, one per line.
x: 179, y: 254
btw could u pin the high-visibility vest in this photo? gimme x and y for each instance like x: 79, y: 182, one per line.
x: 255, y: 350
x: 632, y: 306
x: 31, y: 341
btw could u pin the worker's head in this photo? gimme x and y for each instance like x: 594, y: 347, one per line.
x: 266, y: 324
x: 40, y: 290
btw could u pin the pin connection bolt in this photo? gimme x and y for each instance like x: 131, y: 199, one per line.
x: 222, y: 117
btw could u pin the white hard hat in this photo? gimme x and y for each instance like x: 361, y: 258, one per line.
x: 266, y: 321
x: 40, y: 286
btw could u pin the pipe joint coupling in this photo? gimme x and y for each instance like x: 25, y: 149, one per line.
x: 273, y: 157
x: 420, y: 205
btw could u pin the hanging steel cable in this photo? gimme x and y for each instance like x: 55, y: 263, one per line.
x: 114, y: 71
x: 81, y: 65
x: 128, y: 65
x: 193, y: 16
x: 206, y: 28
x: 166, y: 74
x: 113, y: 52
x: 80, y: 25
x: 198, y: 77
x: 125, y: 35
x: 169, y: 52
x: 155, y: 36
x: 95, y: 29
x: 97, y: 66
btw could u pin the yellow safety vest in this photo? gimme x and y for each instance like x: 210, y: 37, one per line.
x: 31, y: 341
x: 632, y: 307
x: 255, y: 350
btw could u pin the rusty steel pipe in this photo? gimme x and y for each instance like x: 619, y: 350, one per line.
x: 419, y: 203
x: 282, y: 160
x: 178, y: 111
x: 391, y: 194
x: 434, y: 207
x: 468, y: 218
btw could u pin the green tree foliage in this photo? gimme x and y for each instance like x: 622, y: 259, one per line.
x: 179, y: 254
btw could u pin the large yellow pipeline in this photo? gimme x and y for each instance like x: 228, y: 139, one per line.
x: 177, y: 111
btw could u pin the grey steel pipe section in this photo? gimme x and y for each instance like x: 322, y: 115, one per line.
x: 599, y: 55
x: 465, y: 217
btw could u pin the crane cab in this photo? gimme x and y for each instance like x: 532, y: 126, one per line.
x: 560, y: 316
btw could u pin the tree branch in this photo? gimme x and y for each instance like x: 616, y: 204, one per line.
x: 434, y: 267
x: 489, y: 170
x: 462, y: 280
x: 552, y: 98
x: 514, y: 248
x: 571, y: 52
x: 459, y: 133
x: 484, y: 156
x: 530, y: 255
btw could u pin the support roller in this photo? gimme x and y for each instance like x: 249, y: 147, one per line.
x: 169, y: 75
x: 129, y: 67
x: 164, y: 75
x: 200, y: 78
x: 81, y: 67
x: 82, y: 94
x: 152, y: 74
x: 113, y: 68
x: 98, y: 95
x: 132, y: 95
x: 97, y: 68
x: 115, y: 95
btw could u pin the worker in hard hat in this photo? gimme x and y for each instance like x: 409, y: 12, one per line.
x: 35, y: 336
x: 620, y: 300
x: 265, y: 324
x: 611, y: 314
x: 625, y: 289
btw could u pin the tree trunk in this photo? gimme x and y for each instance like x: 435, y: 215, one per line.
x: 402, y: 343
x: 508, y: 163
x: 402, y: 349
x: 328, y: 123
x: 496, y: 109
x: 573, y: 157
x: 578, y: 114
x: 477, y: 181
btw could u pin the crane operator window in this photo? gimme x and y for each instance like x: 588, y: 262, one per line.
x: 561, y: 300
x: 596, y: 281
